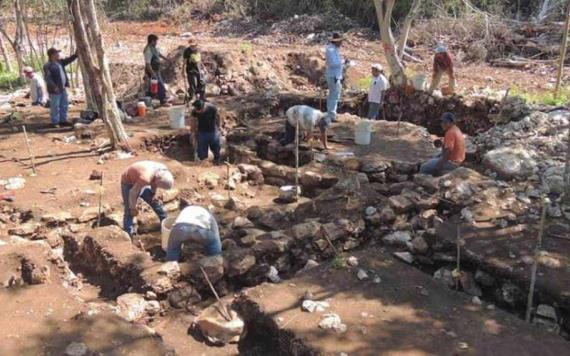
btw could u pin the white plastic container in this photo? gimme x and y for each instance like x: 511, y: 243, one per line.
x: 165, y: 228
x: 363, y: 132
x: 177, y: 117
x: 420, y: 81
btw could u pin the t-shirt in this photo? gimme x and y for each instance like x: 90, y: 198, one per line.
x: 454, y: 141
x: 195, y: 215
x: 334, y: 61
x: 192, y: 58
x: 442, y: 62
x: 308, y: 117
x: 38, y: 91
x: 207, y: 120
x: 379, y: 85
x: 152, y: 56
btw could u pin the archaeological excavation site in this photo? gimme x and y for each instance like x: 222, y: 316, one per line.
x: 326, y: 237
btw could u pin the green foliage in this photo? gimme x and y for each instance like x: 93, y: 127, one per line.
x: 338, y: 263
x: 364, y: 83
x: 10, y: 80
x: 544, y: 97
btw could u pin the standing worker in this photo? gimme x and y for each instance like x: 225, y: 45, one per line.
x: 442, y: 64
x: 152, y: 57
x: 197, y: 225
x: 206, y: 128
x: 453, y: 150
x: 57, y: 82
x: 192, y: 62
x: 334, y: 73
x: 38, y: 91
x: 376, y: 92
x: 142, y: 180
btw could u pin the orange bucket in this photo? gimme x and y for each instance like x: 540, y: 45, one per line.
x: 154, y: 86
x: 141, y: 109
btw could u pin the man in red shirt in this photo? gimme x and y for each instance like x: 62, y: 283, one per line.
x: 442, y: 64
x: 453, y: 151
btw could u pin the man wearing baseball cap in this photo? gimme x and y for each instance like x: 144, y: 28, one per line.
x: 334, y: 73
x: 192, y: 62
x: 38, y: 91
x: 376, y: 92
x: 57, y: 82
x: 453, y: 150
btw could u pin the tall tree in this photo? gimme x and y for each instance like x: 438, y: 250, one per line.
x: 90, y: 49
x: 17, y: 42
x: 407, y: 26
x: 384, y: 14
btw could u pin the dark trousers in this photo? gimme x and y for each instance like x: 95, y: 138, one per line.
x: 209, y: 141
x: 196, y: 85
x: 290, y: 131
x: 161, y: 89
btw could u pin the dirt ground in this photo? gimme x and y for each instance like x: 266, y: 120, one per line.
x: 406, y: 313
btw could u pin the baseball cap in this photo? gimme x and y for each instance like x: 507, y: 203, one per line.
x: 52, y: 51
x: 447, y: 117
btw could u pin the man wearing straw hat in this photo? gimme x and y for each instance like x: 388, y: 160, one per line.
x: 376, y: 92
x: 334, y: 73
x: 442, y: 64
x: 192, y: 62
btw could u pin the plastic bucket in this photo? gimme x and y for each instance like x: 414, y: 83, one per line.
x: 141, y: 109
x: 363, y: 132
x: 420, y: 82
x: 148, y: 101
x: 154, y: 86
x: 165, y: 228
x: 177, y: 115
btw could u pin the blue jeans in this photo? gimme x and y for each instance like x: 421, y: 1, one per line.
x: 335, y: 86
x: 184, y: 232
x: 429, y: 167
x: 374, y: 111
x: 58, y: 105
x: 206, y: 141
x: 148, y: 197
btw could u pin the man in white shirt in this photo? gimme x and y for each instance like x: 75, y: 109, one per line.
x: 38, y: 91
x: 376, y: 92
x: 194, y: 224
x: 334, y: 73
x: 309, y: 119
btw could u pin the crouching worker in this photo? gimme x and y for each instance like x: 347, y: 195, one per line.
x: 453, y: 150
x: 308, y: 119
x: 195, y: 225
x: 142, y: 180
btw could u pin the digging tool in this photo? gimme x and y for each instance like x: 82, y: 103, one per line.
x: 297, y: 160
x: 222, y: 310
x: 326, y: 235
x: 100, y: 212
x: 228, y: 181
x: 30, y: 153
x: 535, y: 263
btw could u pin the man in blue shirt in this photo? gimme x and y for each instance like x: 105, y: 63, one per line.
x: 57, y: 82
x: 333, y: 74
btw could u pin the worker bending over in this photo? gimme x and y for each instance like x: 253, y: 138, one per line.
x: 196, y: 225
x: 453, y: 150
x: 142, y: 180
x: 206, y: 128
x: 308, y: 119
x: 442, y: 64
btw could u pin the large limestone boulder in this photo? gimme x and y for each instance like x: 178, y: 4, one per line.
x: 511, y: 162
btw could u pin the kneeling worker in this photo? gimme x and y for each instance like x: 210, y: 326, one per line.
x: 453, y: 151
x: 142, y: 179
x: 308, y: 119
x: 197, y: 225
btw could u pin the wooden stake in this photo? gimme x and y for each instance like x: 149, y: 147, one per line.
x: 326, y: 235
x: 297, y: 160
x: 563, y: 48
x: 399, y: 121
x: 30, y: 153
x: 458, y: 245
x: 100, y: 201
x: 223, y: 310
x: 535, y: 263
x: 228, y: 181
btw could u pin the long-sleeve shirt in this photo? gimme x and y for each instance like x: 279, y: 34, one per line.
x: 334, y: 61
x: 140, y: 175
x: 55, y: 75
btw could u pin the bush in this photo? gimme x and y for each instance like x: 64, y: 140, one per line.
x: 10, y: 80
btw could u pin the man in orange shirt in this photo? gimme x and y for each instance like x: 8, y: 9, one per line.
x: 453, y: 151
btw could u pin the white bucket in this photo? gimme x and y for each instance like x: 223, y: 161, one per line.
x: 420, y: 81
x: 177, y: 115
x: 165, y: 228
x: 363, y: 132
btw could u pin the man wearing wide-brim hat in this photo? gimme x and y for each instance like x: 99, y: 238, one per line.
x: 334, y: 73
x: 192, y: 64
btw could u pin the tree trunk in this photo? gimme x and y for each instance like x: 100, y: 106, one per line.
x: 563, y: 48
x: 7, y: 63
x: 384, y: 14
x: 407, y: 26
x: 90, y: 102
x: 103, y: 94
